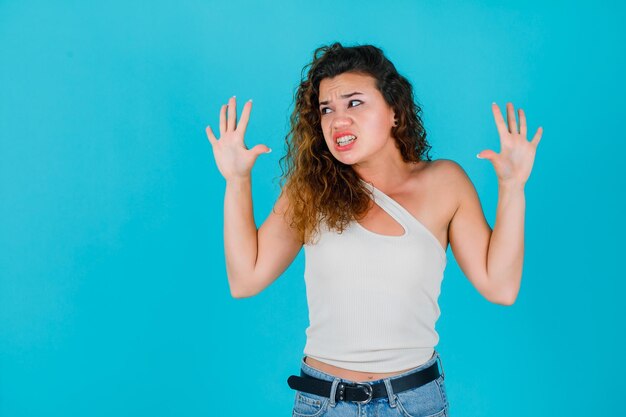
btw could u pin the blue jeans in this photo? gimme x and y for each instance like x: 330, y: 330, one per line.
x: 429, y: 400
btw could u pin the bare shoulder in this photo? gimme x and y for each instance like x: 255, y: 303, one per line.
x: 448, y: 179
x: 445, y: 169
x: 281, y: 210
x: 447, y: 174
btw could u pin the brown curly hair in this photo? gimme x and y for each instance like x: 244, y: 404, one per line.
x: 318, y: 187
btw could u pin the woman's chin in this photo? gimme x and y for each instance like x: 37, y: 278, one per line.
x: 346, y: 159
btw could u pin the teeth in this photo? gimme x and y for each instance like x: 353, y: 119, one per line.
x: 345, y: 139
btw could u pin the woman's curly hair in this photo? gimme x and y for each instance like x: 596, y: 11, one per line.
x: 318, y: 187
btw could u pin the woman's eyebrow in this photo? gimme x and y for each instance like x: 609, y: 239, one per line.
x: 342, y: 96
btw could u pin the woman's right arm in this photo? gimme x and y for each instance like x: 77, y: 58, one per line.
x: 254, y: 258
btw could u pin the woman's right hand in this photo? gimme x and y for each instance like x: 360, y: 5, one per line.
x: 234, y: 160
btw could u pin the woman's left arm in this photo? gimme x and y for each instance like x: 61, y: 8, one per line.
x: 513, y: 165
x: 493, y: 261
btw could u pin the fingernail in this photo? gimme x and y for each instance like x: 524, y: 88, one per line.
x: 250, y: 100
x: 478, y: 156
x: 269, y: 151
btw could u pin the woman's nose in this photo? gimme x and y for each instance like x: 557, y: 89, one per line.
x: 341, y: 121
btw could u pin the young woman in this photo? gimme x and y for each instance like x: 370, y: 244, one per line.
x: 375, y: 216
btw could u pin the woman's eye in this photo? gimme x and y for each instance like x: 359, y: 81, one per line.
x: 323, y: 109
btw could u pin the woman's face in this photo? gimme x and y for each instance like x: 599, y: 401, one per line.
x: 351, y: 105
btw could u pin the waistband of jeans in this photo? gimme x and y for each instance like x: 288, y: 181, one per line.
x: 316, y: 373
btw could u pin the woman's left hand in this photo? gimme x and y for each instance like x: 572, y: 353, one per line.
x: 515, y: 160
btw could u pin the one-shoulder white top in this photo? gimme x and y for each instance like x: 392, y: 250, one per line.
x: 372, y: 298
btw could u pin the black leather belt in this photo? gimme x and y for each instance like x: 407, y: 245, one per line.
x: 362, y: 392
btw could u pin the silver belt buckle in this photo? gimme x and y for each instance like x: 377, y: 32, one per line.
x: 370, y: 392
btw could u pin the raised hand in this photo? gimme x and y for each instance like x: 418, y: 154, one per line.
x: 234, y: 160
x: 517, y: 155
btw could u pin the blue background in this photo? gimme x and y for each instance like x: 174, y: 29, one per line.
x: 113, y: 295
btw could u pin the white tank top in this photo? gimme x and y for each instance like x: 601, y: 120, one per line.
x: 373, y: 298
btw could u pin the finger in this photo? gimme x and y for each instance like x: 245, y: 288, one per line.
x: 259, y: 149
x: 487, y: 154
x: 510, y: 115
x: 497, y: 116
x: 537, y: 137
x: 222, y: 120
x: 245, y: 116
x: 232, y: 113
x: 210, y: 135
x: 522, y: 123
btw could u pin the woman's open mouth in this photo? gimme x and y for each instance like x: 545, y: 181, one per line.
x: 344, y: 143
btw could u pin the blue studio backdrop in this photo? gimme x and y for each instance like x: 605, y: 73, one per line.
x: 114, y: 299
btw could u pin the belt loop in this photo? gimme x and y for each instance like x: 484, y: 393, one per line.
x: 390, y: 393
x: 443, y: 374
x: 333, y: 391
